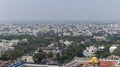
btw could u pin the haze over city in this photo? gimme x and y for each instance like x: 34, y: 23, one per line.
x: 59, y: 10
x: 59, y: 33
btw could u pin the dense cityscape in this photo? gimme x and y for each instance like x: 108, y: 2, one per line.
x: 59, y: 44
x: 59, y: 33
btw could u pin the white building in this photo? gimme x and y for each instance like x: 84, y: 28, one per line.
x: 112, y: 48
x: 89, y: 52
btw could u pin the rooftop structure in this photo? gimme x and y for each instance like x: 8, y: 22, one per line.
x: 94, y: 62
x: 89, y: 52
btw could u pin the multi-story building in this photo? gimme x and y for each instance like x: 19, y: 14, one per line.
x: 89, y: 52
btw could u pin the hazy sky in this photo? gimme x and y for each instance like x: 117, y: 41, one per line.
x: 59, y: 9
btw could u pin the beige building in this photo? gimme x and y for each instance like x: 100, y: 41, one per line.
x: 28, y: 59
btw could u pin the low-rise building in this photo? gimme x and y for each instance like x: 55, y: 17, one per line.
x: 28, y: 59
x: 89, y: 52
x: 112, y: 48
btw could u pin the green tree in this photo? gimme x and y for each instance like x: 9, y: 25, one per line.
x: 72, y: 51
x: 4, y: 57
x: 50, y: 54
x: 117, y: 51
x: 39, y: 57
x: 104, y: 53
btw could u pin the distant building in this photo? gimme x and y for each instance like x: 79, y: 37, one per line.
x: 67, y: 43
x: 99, y: 38
x: 100, y: 48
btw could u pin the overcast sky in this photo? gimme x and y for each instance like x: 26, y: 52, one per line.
x: 59, y: 9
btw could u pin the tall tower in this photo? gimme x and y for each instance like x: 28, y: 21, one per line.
x: 57, y: 43
x: 59, y: 48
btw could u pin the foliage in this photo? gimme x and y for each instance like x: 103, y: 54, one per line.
x: 72, y: 51
x: 13, y: 54
x: 117, y: 51
x: 50, y: 54
x: 39, y: 57
x: 4, y: 57
x: 75, y: 49
x: 22, y: 47
x: 104, y: 53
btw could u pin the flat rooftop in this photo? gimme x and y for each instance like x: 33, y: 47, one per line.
x: 38, y: 65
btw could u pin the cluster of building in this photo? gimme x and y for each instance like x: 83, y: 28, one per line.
x: 68, y: 29
x: 94, y: 61
x: 90, y: 51
x: 91, y: 60
x: 59, y: 46
x: 6, y: 45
